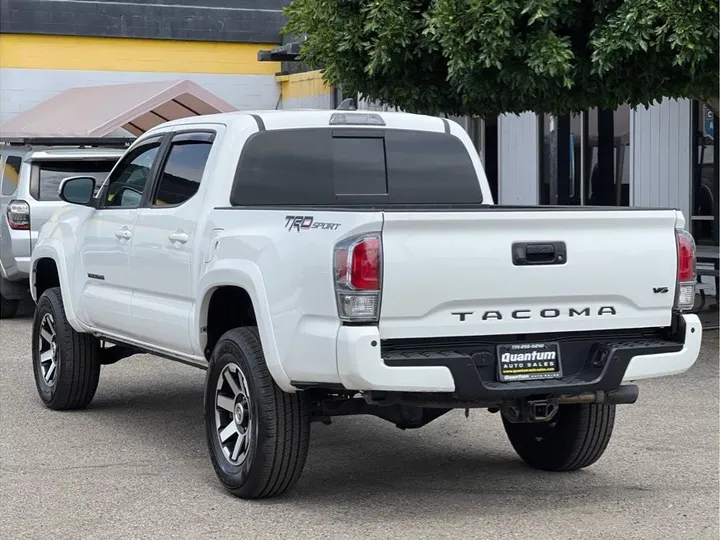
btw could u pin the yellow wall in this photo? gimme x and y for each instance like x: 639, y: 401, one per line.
x: 120, y: 54
x: 302, y: 85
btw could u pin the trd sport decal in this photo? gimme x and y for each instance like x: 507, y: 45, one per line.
x: 304, y: 223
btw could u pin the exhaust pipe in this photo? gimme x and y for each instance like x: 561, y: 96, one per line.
x: 625, y: 395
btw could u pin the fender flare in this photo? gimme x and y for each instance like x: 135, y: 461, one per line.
x: 247, y: 275
x: 50, y: 249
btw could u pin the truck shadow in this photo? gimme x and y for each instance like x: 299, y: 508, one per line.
x: 26, y: 309
x: 439, y: 472
x: 452, y: 464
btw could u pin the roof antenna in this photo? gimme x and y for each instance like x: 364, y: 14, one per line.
x: 347, y: 105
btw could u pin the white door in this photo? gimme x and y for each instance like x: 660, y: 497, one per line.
x: 105, y: 240
x: 163, y: 276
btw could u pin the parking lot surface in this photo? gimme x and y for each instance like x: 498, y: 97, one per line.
x: 135, y: 465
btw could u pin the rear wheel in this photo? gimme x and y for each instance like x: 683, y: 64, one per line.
x: 8, y: 308
x: 65, y: 362
x: 575, y: 438
x: 257, y: 434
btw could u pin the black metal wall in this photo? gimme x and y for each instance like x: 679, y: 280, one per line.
x: 250, y: 21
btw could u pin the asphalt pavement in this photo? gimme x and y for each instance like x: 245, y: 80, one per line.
x: 134, y: 465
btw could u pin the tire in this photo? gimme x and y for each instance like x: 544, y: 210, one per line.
x: 574, y: 439
x: 67, y: 377
x: 264, y: 453
x: 8, y: 308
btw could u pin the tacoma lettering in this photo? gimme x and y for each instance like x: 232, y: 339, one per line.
x: 547, y: 313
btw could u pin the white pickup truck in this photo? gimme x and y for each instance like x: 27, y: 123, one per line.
x: 325, y: 263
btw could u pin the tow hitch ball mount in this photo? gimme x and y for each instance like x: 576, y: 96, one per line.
x: 544, y: 409
x: 531, y: 410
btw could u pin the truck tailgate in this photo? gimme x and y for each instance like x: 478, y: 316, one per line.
x: 449, y: 273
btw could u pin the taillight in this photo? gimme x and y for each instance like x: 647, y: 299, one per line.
x: 358, y: 277
x: 18, y: 215
x: 686, y: 276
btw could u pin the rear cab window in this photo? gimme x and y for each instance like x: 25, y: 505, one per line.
x: 10, y: 175
x: 48, y: 174
x: 354, y: 167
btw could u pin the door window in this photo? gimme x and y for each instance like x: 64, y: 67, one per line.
x: 183, y: 171
x: 585, y: 158
x: 706, y: 176
x: 126, y: 185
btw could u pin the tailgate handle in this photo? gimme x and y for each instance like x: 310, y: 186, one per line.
x: 539, y: 253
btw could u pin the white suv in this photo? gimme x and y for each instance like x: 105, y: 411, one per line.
x: 28, y: 197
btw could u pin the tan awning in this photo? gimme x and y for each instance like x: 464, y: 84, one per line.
x: 96, y: 111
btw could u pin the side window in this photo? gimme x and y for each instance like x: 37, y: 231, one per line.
x: 11, y: 175
x: 127, y: 183
x: 50, y: 174
x: 183, y: 170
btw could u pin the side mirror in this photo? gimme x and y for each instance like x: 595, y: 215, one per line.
x: 77, y: 190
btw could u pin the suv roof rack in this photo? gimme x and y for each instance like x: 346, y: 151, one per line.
x: 99, y: 142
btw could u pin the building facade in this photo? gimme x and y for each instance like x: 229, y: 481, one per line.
x: 48, y: 46
x: 663, y: 156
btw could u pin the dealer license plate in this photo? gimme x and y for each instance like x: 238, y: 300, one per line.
x: 528, y: 361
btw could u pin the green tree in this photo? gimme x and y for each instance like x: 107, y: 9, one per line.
x: 486, y: 57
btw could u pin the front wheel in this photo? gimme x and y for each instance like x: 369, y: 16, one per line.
x: 575, y: 438
x: 257, y: 434
x: 66, y: 363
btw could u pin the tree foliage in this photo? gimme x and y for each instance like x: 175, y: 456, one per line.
x: 486, y: 57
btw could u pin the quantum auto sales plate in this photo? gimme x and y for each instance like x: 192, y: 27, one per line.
x: 528, y: 362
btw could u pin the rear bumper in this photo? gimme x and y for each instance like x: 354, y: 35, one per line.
x: 22, y: 264
x: 17, y: 268
x: 669, y: 363
x: 467, y: 370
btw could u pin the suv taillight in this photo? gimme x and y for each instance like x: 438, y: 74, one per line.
x: 18, y: 215
x: 358, y: 278
x: 686, y: 276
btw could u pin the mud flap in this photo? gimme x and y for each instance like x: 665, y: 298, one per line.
x: 14, y: 290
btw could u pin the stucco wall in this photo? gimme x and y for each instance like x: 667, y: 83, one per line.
x: 22, y: 89
x: 305, y: 90
x: 34, y: 68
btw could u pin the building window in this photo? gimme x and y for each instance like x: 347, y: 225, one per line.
x: 585, y: 158
x: 705, y: 178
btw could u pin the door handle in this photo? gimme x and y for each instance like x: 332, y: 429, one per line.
x: 123, y: 234
x: 178, y: 236
x: 544, y: 253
